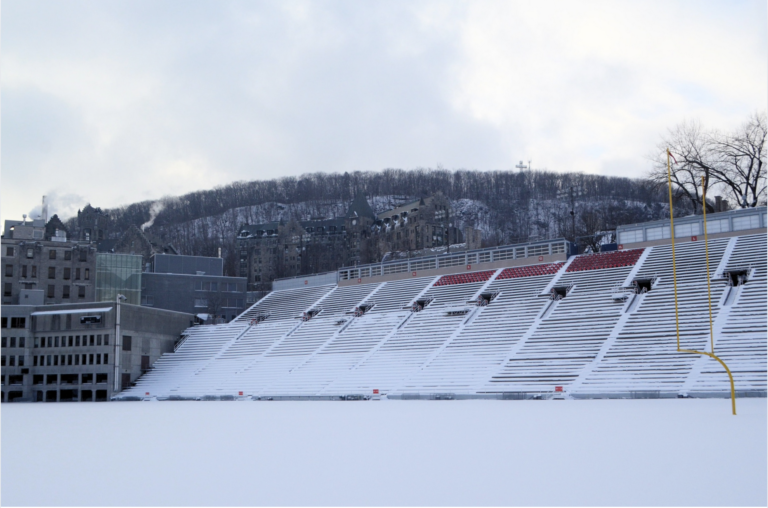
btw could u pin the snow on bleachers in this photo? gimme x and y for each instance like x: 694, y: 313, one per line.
x: 394, y: 295
x: 401, y: 354
x: 600, y: 338
x: 463, y: 278
x: 200, y: 345
x: 356, y: 339
x: 288, y: 303
x: 644, y: 355
x: 740, y: 340
x: 486, y: 341
x: 529, y: 271
x: 602, y: 260
x: 345, y: 298
x: 569, y: 338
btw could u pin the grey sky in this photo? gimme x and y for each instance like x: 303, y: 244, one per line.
x: 116, y: 102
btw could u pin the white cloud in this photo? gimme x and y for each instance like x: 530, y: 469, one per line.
x: 124, y: 101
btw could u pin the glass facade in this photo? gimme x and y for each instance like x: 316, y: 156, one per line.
x: 118, y: 274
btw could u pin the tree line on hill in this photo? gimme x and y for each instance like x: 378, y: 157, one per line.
x: 509, y: 206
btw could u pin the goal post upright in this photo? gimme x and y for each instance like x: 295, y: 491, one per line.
x: 709, y: 292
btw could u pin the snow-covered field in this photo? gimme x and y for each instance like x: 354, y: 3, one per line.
x: 474, y: 452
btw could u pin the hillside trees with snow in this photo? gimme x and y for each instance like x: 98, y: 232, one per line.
x: 508, y: 206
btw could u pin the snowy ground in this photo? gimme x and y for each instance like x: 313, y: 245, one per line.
x: 587, y: 452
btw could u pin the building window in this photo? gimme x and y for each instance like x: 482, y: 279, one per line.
x: 34, y: 272
x: 51, y: 291
x: 30, y: 253
x: 12, y: 342
x: 67, y: 272
x: 9, y: 270
x: 9, y: 251
x: 21, y: 361
x: 52, y: 254
x: 126, y: 342
x: 65, y: 292
x: 67, y: 255
x: 81, y: 291
x: 51, y: 272
x: 23, y: 271
x: 3, y: 342
x: 87, y: 274
x: 106, y: 339
x: 77, y: 274
x: 83, y: 255
x: 7, y: 289
x: 98, y: 340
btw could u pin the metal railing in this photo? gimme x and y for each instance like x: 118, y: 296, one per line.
x: 489, y: 255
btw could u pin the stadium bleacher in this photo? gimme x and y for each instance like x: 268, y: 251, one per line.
x: 597, y: 325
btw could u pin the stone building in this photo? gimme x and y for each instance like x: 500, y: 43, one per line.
x: 415, y: 227
x: 92, y: 225
x: 41, y: 265
x: 286, y: 249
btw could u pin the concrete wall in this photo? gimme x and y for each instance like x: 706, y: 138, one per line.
x: 178, y: 292
x: 306, y: 281
x: 686, y: 239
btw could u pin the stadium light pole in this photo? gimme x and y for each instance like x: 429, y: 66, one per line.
x: 572, y: 192
x: 116, y: 380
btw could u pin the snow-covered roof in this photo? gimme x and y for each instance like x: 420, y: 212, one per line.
x: 71, y: 311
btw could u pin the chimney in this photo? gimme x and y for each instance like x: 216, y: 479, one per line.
x: 718, y: 203
x: 219, y: 251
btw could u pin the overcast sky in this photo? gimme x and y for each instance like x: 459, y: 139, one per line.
x: 121, y: 101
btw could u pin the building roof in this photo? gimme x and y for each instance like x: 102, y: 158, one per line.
x: 359, y: 207
x: 407, y: 207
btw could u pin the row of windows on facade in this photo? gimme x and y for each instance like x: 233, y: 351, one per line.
x: 226, y: 303
x: 66, y: 379
x: 56, y: 360
x: 31, y: 272
x: 52, y: 254
x: 51, y: 292
x: 71, y: 341
x: 63, y: 395
x: 230, y: 287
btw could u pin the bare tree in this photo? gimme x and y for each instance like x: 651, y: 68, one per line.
x: 734, y: 162
x: 741, y: 161
x: 694, y: 158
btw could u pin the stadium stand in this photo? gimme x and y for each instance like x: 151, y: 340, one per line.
x: 600, y: 325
